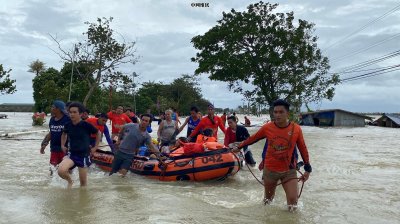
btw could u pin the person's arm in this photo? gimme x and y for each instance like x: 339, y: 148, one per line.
x: 108, y: 138
x: 153, y: 149
x: 96, y: 145
x: 159, y: 131
x: 127, y: 118
x: 184, y: 124
x: 260, y: 134
x: 246, y: 134
x: 176, y: 127
x: 120, y: 135
x: 304, y: 154
x: 177, y: 118
x: 227, y: 140
x: 45, y: 142
x: 221, y: 126
x: 64, y: 138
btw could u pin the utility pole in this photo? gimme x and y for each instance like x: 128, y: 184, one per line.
x: 134, y: 89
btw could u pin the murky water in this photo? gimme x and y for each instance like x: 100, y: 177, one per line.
x: 355, y: 179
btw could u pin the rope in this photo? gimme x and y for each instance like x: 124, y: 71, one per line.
x: 281, y: 183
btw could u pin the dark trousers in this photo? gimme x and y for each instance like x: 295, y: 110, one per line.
x: 248, y: 156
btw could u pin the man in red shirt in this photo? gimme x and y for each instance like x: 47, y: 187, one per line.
x: 118, y: 119
x: 280, y: 162
x: 100, y: 123
x: 210, y: 121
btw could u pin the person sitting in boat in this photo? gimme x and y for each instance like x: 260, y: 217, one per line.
x: 100, y: 123
x: 130, y: 138
x: 192, y: 121
x: 206, y: 136
x: 238, y: 133
x: 247, y: 122
x: 167, y: 130
x: 211, y: 121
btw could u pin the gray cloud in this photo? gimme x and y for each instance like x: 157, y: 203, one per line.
x: 163, y: 30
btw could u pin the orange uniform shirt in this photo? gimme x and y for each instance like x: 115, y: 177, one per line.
x: 118, y: 120
x: 281, y: 144
x: 205, y: 123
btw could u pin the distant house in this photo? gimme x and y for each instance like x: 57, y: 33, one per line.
x: 388, y: 120
x: 16, y: 107
x: 333, y: 118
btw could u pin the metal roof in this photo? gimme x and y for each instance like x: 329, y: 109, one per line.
x: 394, y: 117
x: 344, y: 111
x: 17, y: 104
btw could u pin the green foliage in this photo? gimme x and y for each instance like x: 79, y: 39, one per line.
x: 181, y: 94
x: 46, y: 90
x: 100, y: 54
x: 37, y: 67
x: 277, y: 55
x: 7, y: 85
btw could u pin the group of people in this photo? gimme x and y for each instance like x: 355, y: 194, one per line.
x: 73, y: 136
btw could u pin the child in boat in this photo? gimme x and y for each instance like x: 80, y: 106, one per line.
x: 206, y: 136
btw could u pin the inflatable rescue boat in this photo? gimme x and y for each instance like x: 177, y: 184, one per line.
x: 208, y: 165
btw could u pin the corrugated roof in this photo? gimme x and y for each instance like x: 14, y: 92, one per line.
x: 17, y: 104
x: 344, y: 111
x: 394, y: 117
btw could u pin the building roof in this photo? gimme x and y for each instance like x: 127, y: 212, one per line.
x: 332, y: 110
x: 17, y: 104
x: 394, y: 117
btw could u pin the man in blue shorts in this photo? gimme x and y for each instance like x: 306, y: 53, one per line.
x: 131, y: 137
x: 78, y: 132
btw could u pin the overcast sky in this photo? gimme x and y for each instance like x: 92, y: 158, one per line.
x: 163, y: 30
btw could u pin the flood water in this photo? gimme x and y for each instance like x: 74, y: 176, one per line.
x: 355, y: 179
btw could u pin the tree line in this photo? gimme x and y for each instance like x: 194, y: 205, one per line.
x: 50, y: 84
x: 261, y: 53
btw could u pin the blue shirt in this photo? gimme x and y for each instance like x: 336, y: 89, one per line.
x: 192, y: 125
x: 173, y: 116
x: 56, y: 128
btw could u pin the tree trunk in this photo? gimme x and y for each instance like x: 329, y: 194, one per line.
x: 271, y: 112
x: 90, y: 92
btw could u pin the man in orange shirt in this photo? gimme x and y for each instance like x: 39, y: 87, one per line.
x: 100, y: 123
x: 118, y: 119
x: 280, y: 162
x: 210, y: 121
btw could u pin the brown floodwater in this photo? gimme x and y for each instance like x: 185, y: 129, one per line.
x: 355, y: 179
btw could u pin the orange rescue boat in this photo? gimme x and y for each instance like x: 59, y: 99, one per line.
x: 209, y: 165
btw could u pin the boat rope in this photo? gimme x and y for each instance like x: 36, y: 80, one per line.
x: 281, y: 183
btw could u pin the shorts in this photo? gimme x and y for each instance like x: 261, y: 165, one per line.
x: 121, y: 161
x: 276, y: 176
x: 56, y: 157
x: 80, y: 161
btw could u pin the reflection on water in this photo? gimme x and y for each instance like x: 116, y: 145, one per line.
x: 355, y: 180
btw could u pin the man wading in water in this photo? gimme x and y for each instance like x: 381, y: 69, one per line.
x: 131, y: 137
x: 279, y: 162
x: 59, y: 117
x: 78, y: 133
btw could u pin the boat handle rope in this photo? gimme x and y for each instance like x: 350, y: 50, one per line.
x: 293, y: 178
